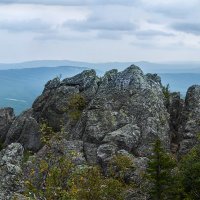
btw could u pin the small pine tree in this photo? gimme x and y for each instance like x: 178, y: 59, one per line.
x: 161, y: 175
x: 190, y: 171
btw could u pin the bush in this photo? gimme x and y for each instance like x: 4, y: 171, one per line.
x: 120, y: 166
x: 47, y: 133
x: 76, y: 105
x: 63, y: 181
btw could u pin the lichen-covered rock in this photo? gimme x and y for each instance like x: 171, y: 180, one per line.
x: 58, y: 148
x: 125, y: 100
x: 10, y: 171
x: 190, y: 123
x: 126, y: 138
x: 105, y: 153
x: 6, y: 118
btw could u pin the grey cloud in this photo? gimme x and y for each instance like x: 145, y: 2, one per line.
x: 109, y: 35
x: 193, y: 28
x: 35, y: 25
x: 72, y: 2
x: 100, y: 24
x: 152, y: 33
x: 59, y: 37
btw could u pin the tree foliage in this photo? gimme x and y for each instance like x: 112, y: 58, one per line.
x: 190, y: 173
x: 162, y: 175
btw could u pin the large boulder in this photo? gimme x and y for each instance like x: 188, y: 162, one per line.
x: 26, y: 131
x: 10, y: 171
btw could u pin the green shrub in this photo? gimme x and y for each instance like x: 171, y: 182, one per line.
x: 47, y: 132
x: 120, y: 165
x: 166, y: 91
x: 76, y: 105
x: 64, y: 181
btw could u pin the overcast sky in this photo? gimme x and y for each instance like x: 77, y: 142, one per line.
x: 99, y: 30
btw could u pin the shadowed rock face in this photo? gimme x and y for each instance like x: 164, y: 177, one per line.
x: 190, y: 123
x: 25, y: 130
x: 6, y: 118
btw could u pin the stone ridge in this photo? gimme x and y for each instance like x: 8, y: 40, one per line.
x: 124, y: 111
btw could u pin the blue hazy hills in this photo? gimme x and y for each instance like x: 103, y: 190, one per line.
x: 21, y: 83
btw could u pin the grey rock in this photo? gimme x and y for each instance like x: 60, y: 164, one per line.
x: 52, y: 84
x: 105, y: 153
x: 190, y: 126
x: 72, y: 149
x: 127, y: 97
x: 52, y: 104
x: 126, y: 138
x: 10, y: 171
x: 90, y: 153
x: 175, y: 109
x: 25, y: 130
x: 6, y: 118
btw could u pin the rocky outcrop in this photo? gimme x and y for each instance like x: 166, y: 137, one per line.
x: 6, y: 118
x: 127, y: 112
x: 10, y: 171
x: 122, y: 109
x: 190, y: 123
x: 123, y: 113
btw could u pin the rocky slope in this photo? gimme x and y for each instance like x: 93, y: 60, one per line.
x: 122, y: 112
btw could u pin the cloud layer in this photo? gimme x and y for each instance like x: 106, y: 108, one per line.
x: 99, y: 30
x: 71, y: 2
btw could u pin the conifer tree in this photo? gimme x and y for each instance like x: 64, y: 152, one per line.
x: 190, y: 171
x: 162, y: 176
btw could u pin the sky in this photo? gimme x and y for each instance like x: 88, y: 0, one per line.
x: 99, y: 30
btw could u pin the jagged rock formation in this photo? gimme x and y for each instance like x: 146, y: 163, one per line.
x: 10, y: 171
x: 123, y: 111
x: 127, y: 112
x: 190, y: 122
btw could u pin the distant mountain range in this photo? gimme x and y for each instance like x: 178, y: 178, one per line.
x: 21, y: 83
x: 170, y: 67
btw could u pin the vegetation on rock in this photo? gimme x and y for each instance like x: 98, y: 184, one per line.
x: 75, y: 106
